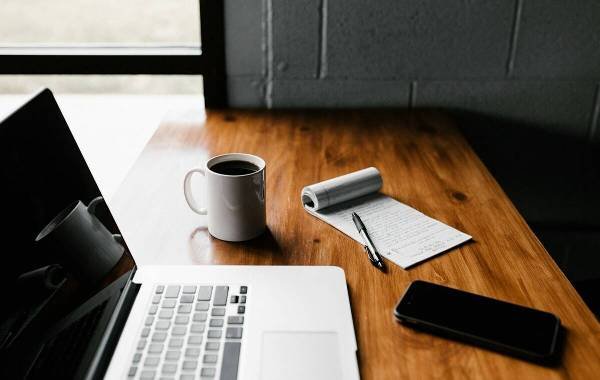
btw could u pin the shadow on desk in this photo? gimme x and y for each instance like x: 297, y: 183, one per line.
x: 554, y: 180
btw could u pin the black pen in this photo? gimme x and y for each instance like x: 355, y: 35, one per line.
x: 369, y: 246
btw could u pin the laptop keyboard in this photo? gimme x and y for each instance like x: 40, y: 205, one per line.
x: 191, y: 332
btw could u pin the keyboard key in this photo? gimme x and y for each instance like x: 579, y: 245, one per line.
x: 235, y: 320
x: 204, y: 293
x: 234, y: 333
x: 208, y: 372
x: 169, y: 303
x: 149, y: 320
x: 179, y: 330
x: 172, y: 355
x: 185, y: 309
x: 147, y: 375
x: 212, y: 346
x: 218, y: 312
x: 197, y: 328
x: 187, y: 298
x: 231, y: 357
x: 163, y: 325
x: 202, y: 306
x: 141, y: 344
x: 199, y: 317
x: 195, y: 340
x: 169, y: 368
x: 208, y: 358
x: 165, y: 314
x: 189, y: 364
x: 159, y: 289
x: 145, y: 332
x: 153, y: 309
x: 155, y: 348
x: 241, y: 309
x: 243, y: 289
x: 132, y: 371
x: 175, y: 343
x: 216, y: 322
x: 192, y: 352
x: 137, y: 357
x: 189, y: 289
x: 172, y: 291
x: 233, y: 299
x: 159, y: 336
x: 186, y: 377
x: 182, y: 319
x: 243, y: 299
x: 221, y: 295
x: 156, y: 298
x: 214, y: 334
x: 151, y: 361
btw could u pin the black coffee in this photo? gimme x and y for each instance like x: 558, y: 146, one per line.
x: 234, y: 167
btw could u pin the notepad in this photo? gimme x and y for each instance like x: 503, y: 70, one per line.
x: 400, y: 233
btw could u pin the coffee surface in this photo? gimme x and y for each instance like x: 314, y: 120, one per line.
x: 234, y: 167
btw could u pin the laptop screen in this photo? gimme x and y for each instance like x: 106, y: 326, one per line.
x: 47, y: 229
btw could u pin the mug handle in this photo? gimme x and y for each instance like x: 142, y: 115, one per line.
x: 91, y: 208
x: 119, y: 239
x: 187, y: 192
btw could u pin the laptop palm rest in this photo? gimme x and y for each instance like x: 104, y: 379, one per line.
x: 300, y: 355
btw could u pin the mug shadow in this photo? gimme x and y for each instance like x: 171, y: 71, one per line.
x: 264, y: 243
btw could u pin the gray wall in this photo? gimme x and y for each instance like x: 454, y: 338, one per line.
x: 532, y: 61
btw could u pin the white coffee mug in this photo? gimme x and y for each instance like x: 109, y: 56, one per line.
x: 83, y: 244
x: 235, y: 198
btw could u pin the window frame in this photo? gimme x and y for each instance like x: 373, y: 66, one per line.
x: 207, y: 60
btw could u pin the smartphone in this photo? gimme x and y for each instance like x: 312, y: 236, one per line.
x: 500, y: 326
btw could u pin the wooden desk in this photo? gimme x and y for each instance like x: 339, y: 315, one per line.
x: 426, y: 163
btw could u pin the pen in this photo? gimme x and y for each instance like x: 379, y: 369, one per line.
x: 369, y: 246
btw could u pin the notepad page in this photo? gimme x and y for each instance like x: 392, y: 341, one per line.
x: 400, y: 233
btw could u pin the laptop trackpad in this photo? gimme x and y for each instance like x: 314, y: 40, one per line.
x: 300, y: 355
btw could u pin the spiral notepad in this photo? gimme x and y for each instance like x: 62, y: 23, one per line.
x: 402, y: 234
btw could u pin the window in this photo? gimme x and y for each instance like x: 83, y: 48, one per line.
x: 129, y: 22
x: 103, y: 84
x: 115, y: 37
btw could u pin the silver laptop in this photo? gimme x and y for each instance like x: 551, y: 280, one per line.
x: 154, y: 322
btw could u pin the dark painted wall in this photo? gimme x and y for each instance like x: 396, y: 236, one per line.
x: 531, y: 61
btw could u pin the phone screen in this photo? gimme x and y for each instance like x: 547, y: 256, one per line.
x: 479, y: 318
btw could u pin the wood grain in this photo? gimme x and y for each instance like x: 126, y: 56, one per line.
x: 425, y: 163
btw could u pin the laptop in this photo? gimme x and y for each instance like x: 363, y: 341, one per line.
x: 152, y: 322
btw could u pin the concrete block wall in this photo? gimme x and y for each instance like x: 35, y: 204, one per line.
x: 531, y: 61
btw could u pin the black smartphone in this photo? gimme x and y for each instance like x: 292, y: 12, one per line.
x: 497, y: 325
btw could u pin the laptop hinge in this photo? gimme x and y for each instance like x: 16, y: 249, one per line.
x: 111, y: 335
